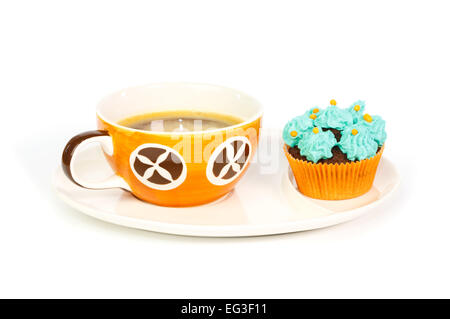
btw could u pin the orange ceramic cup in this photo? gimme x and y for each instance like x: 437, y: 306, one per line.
x: 167, y: 168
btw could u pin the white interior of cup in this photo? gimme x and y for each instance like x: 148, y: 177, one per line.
x: 178, y: 96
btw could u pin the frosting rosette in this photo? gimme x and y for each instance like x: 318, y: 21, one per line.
x: 357, y: 142
x: 314, y: 110
x: 291, y: 135
x: 356, y: 110
x: 295, y: 128
x: 334, y: 117
x: 317, y: 144
x: 376, y: 126
x: 304, y: 123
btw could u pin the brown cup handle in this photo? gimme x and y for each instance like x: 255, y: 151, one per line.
x: 71, y: 151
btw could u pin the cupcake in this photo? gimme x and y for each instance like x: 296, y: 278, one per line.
x: 333, y: 152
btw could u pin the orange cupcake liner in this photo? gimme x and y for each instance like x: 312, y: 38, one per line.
x: 334, y: 181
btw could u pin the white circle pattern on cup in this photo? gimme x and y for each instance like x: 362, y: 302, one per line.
x: 228, y: 160
x: 158, y: 166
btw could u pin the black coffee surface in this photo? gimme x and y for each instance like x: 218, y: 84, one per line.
x: 180, y: 122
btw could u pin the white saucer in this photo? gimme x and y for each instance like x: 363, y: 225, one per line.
x: 264, y: 202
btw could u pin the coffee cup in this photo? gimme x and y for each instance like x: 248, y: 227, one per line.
x: 177, y: 168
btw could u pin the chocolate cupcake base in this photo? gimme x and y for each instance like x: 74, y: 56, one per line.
x: 338, y: 156
x: 334, y: 181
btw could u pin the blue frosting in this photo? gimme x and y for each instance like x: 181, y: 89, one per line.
x: 359, y: 146
x: 364, y: 144
x: 376, y: 129
x: 304, y: 123
x: 334, y: 117
x: 287, y: 137
x: 357, y: 115
x: 311, y: 111
x: 300, y: 125
x: 316, y: 146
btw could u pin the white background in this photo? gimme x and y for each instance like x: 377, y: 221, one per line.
x: 58, y: 58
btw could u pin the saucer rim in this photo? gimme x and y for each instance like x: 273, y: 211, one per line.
x: 232, y: 230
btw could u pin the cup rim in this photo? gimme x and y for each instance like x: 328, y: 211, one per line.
x: 248, y: 121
